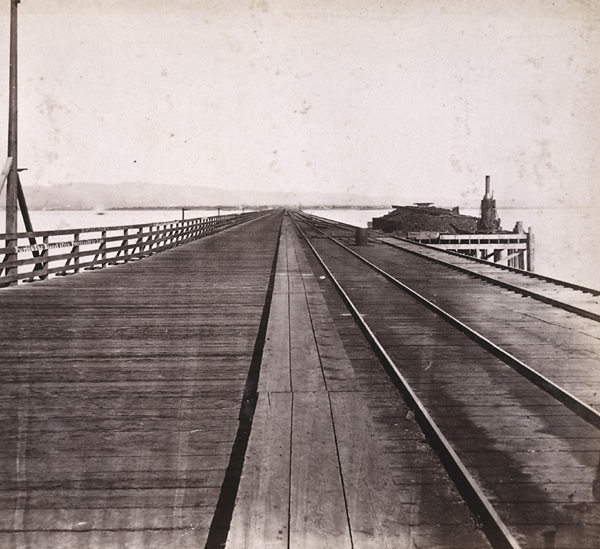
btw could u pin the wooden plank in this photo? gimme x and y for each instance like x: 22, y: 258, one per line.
x: 275, y: 365
x: 374, y: 522
x: 337, y: 370
x: 306, y: 373
x: 281, y: 273
x: 294, y: 272
x: 106, y: 539
x: 260, y: 518
x: 317, y: 509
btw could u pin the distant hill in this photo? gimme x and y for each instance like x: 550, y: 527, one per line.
x: 91, y: 196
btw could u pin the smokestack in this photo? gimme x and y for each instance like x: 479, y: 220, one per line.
x: 489, y: 222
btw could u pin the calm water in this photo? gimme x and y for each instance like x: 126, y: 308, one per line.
x: 76, y: 219
x: 566, y: 240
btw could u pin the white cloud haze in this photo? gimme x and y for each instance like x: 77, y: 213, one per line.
x: 406, y: 99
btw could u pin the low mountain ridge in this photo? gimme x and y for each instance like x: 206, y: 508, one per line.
x: 97, y: 196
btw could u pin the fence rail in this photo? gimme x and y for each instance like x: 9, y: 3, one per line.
x: 40, y: 254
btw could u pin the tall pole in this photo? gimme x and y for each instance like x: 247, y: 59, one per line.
x: 13, y: 178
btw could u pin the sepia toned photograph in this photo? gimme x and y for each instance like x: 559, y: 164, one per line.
x: 310, y: 274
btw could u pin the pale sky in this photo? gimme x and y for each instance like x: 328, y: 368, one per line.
x: 412, y: 100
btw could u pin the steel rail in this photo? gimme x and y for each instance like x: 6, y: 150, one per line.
x: 495, y: 529
x: 507, y: 285
x: 574, y: 404
x: 529, y: 274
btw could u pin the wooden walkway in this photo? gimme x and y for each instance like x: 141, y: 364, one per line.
x: 120, y: 394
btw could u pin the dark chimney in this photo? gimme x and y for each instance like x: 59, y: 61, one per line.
x: 488, y: 222
x: 488, y: 187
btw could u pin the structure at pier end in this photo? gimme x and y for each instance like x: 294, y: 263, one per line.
x: 446, y: 228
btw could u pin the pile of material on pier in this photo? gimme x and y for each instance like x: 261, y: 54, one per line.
x: 424, y: 217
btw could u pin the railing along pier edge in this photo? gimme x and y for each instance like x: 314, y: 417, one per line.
x: 69, y: 251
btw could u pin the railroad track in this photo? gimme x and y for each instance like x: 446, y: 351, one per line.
x: 561, y: 345
x: 522, y: 448
x: 571, y: 297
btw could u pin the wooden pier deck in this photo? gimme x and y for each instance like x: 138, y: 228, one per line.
x: 121, y: 390
x: 224, y: 393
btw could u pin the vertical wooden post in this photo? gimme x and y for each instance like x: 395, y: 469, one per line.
x: 12, y: 180
x: 76, y: 251
x: 44, y: 258
x: 126, y: 241
x: 158, y: 238
x: 103, y: 248
x: 530, y: 250
x: 185, y: 232
x: 153, y: 235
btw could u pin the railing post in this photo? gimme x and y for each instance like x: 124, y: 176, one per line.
x: 153, y: 231
x: 44, y: 258
x: 126, y: 246
x: 76, y: 252
x: 157, y: 236
x: 103, y: 248
x: 178, y: 232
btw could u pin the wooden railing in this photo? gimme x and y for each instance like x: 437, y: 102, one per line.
x: 41, y: 254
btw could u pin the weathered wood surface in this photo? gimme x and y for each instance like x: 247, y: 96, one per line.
x: 519, y: 443
x: 317, y: 507
x: 120, y: 394
x: 532, y: 331
x: 261, y: 515
x: 317, y: 463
